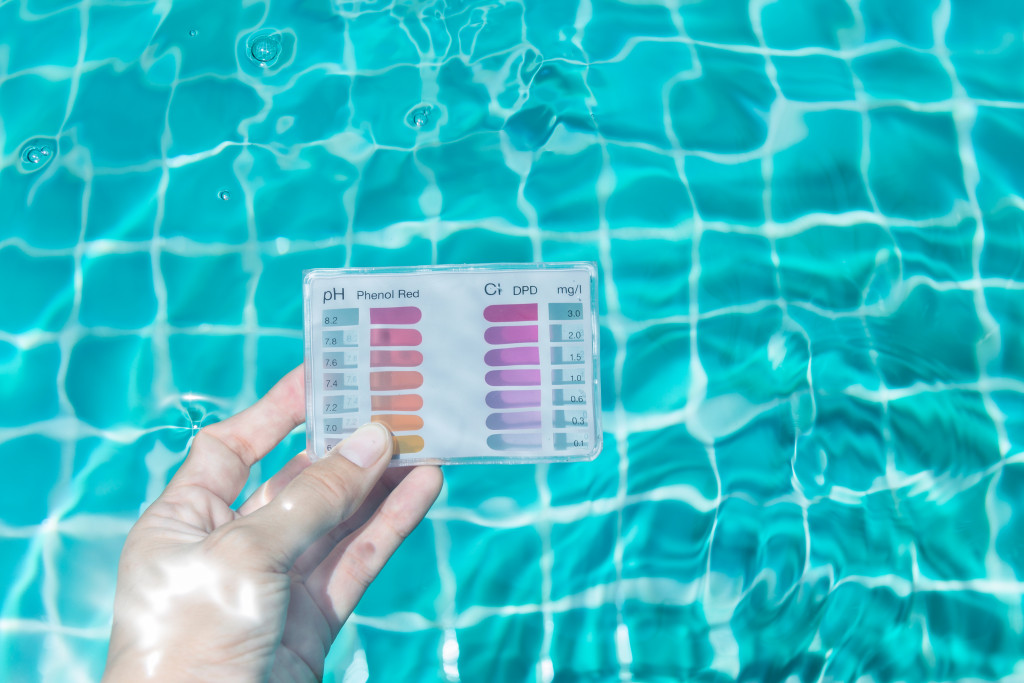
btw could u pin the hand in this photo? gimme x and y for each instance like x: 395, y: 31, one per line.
x: 205, y: 593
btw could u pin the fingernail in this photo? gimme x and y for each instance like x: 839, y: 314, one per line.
x: 366, y: 445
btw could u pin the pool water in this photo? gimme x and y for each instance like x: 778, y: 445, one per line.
x: 809, y: 223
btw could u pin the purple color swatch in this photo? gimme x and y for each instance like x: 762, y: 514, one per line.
x: 513, y: 378
x: 529, y: 419
x: 510, y: 313
x: 527, y: 398
x: 517, y: 355
x: 511, y: 334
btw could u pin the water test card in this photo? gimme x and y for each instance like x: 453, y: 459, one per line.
x: 483, y: 364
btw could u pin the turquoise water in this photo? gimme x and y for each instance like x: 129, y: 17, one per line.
x: 809, y: 222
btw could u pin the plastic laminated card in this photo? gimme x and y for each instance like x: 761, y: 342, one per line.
x: 465, y: 364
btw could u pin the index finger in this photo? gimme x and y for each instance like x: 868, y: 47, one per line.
x: 222, y: 453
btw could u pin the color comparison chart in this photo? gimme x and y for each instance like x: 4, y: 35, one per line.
x: 481, y: 364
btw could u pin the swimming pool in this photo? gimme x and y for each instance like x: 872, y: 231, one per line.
x: 809, y: 224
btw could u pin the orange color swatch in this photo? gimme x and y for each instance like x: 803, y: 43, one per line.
x: 395, y: 359
x: 395, y: 380
x: 399, y: 422
x: 409, y: 443
x: 396, y: 402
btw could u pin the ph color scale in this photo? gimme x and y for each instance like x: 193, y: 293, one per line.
x: 463, y: 363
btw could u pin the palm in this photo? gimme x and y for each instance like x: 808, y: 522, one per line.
x: 304, y: 646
